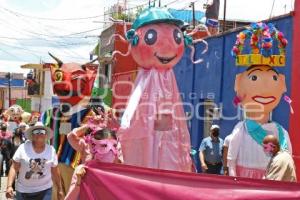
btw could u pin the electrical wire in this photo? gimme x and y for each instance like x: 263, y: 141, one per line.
x: 167, y: 4
x: 57, y: 44
x: 67, y: 19
x: 272, y: 8
x: 12, y: 55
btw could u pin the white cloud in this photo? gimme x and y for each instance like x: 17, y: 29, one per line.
x: 12, y: 66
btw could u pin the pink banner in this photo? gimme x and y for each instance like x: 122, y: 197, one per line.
x: 117, y: 181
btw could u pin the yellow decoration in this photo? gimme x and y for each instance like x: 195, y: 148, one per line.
x: 58, y: 75
x: 258, y: 59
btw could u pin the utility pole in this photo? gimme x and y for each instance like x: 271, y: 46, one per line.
x: 125, y: 4
x: 159, y: 3
x: 192, y: 5
x: 224, y: 16
x: 8, y: 76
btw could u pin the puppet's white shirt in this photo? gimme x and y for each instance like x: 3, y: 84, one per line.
x: 246, y: 157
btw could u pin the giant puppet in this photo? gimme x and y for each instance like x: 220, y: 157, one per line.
x: 14, y: 116
x: 259, y: 89
x: 72, y: 83
x: 153, y: 129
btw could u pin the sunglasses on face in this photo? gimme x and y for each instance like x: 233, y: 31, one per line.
x: 39, y: 132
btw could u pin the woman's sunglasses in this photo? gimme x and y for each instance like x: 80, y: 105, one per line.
x: 39, y: 132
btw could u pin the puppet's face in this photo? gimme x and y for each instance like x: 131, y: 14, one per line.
x: 160, y: 46
x: 260, y: 88
x: 72, y: 82
x: 14, y: 112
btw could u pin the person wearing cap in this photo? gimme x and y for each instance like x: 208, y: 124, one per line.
x: 212, y: 15
x: 281, y: 166
x: 210, y: 152
x: 35, y: 162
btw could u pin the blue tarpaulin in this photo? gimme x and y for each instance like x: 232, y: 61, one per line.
x: 187, y: 15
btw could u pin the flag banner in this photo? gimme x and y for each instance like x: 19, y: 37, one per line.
x: 117, y: 181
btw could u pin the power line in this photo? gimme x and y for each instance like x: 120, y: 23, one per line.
x: 272, y: 8
x: 31, y: 50
x: 11, y: 55
x: 44, y: 39
x: 170, y: 3
x: 17, y: 47
x: 56, y: 44
x: 67, y: 35
x: 37, y: 38
x: 66, y: 19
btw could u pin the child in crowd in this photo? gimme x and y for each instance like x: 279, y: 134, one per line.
x: 100, y: 144
x: 104, y: 149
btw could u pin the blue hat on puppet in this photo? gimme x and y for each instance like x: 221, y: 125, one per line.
x: 153, y: 15
x: 262, y: 37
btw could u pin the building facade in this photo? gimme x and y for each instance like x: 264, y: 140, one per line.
x: 18, y: 92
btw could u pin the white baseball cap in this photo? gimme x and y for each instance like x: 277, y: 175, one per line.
x: 214, y: 126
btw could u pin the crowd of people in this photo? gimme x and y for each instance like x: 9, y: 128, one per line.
x: 30, y: 162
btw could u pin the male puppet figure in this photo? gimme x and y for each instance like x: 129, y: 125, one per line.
x: 73, y: 85
x: 259, y: 90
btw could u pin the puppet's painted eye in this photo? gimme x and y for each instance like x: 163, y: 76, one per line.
x: 177, y: 36
x: 58, y: 75
x: 150, y: 37
x: 275, y: 78
x: 253, y: 78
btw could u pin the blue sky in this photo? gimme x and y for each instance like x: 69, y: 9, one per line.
x: 29, y: 29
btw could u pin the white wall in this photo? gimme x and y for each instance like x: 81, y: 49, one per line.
x: 46, y: 99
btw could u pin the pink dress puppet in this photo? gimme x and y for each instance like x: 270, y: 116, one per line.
x: 153, y: 129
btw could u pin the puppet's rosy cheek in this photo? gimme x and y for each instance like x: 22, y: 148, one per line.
x: 142, y: 54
